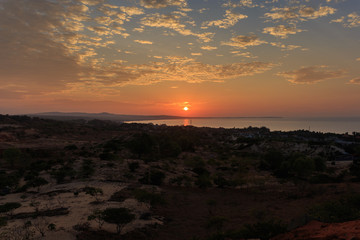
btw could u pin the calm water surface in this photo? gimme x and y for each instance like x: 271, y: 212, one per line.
x: 334, y: 125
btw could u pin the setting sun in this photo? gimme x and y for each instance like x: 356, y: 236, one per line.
x: 185, y: 108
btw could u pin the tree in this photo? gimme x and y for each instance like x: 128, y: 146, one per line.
x: 95, y: 192
x: 41, y: 224
x: 97, y: 216
x: 303, y: 166
x: 118, y: 216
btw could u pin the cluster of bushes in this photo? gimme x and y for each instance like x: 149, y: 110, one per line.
x: 162, y: 144
x: 87, y: 169
x: 152, y: 198
x: 264, y: 230
x: 9, y: 181
x: 153, y: 177
x: 7, y: 207
x: 118, y: 216
x: 342, y: 210
x: 293, y: 165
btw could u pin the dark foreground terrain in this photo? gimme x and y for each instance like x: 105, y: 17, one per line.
x: 92, y: 179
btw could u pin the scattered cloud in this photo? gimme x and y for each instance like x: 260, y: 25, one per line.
x: 353, y: 20
x: 285, y: 47
x: 9, y: 94
x: 49, y: 46
x: 143, y: 42
x: 339, y: 20
x: 242, y: 54
x: 355, y: 81
x: 132, y: 10
x: 350, y: 21
x: 241, y: 3
x: 309, y: 75
x: 299, y: 13
x: 208, y: 48
x: 281, y: 30
x: 243, y: 41
x: 30, y: 52
x: 230, y: 20
x: 172, y: 21
x: 162, y: 3
x: 91, y: 2
x: 188, y: 70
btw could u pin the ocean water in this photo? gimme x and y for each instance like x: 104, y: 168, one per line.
x: 333, y: 125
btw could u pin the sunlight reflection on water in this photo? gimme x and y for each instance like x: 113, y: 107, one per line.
x: 187, y: 122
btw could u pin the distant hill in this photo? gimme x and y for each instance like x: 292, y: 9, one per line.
x: 100, y: 116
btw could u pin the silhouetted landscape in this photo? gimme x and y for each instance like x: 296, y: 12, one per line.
x: 100, y: 179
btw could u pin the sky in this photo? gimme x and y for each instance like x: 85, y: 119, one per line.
x: 296, y: 58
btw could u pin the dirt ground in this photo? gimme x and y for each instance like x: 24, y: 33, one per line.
x: 187, y: 210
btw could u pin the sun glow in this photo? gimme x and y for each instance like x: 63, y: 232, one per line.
x: 185, y: 108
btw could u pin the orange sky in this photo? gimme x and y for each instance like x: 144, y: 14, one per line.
x: 218, y: 58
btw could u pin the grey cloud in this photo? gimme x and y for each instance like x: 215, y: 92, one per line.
x: 28, y: 53
x: 162, y: 3
x: 299, y: 13
x: 355, y: 81
x: 243, y: 41
x: 312, y: 74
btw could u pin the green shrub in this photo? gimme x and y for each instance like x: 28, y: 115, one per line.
x: 118, y: 216
x: 108, y: 156
x: 133, y: 166
x: 87, y: 169
x: 95, y: 192
x: 7, y: 207
x: 12, y: 156
x: 149, y: 197
x: 263, y: 230
x: 3, y: 221
x: 154, y: 177
x: 345, y: 209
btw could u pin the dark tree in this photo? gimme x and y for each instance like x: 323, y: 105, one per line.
x: 118, y: 216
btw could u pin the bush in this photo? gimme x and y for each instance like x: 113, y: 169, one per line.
x: 37, y: 182
x: 154, y: 177
x: 133, y: 166
x: 95, y: 192
x: 151, y: 198
x: 87, y: 169
x: 142, y: 144
x: 203, y: 181
x: 263, y: 230
x: 12, y: 156
x: 118, y: 216
x: 108, y: 156
x: 9, y: 180
x: 7, y: 207
x: 345, y: 209
x: 3, y: 221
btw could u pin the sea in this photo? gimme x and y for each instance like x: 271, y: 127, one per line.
x: 325, y: 125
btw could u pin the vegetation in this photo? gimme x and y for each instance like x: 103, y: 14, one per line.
x: 7, y: 207
x: 344, y: 209
x: 118, y: 216
x: 149, y: 197
x: 178, y: 162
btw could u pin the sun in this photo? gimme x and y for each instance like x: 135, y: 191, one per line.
x: 185, y: 109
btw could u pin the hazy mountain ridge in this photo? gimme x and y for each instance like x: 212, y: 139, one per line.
x: 100, y: 116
